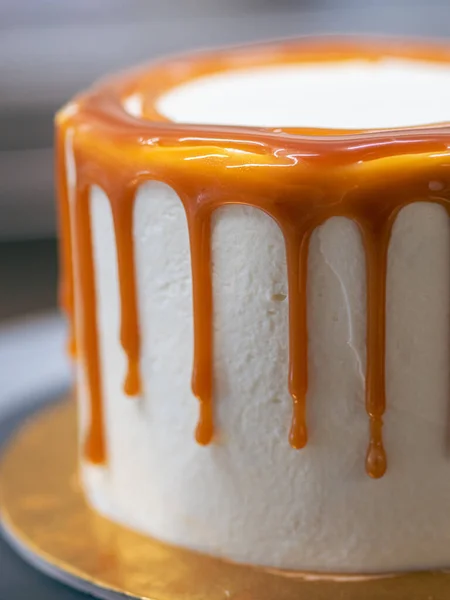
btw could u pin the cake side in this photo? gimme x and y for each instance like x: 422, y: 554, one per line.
x: 249, y: 496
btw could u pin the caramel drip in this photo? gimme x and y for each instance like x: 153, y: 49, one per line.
x: 365, y: 176
x: 297, y: 267
x: 66, y: 287
x: 376, y: 245
x: 95, y: 441
x: 202, y: 374
x: 122, y: 206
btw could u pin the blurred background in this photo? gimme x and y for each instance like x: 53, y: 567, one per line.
x: 49, y: 49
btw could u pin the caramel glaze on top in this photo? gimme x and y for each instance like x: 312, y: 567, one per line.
x: 299, y: 177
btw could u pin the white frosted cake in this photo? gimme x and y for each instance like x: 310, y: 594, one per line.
x: 256, y: 257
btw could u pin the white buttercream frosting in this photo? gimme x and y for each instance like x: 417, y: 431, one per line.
x: 354, y: 94
x: 249, y: 496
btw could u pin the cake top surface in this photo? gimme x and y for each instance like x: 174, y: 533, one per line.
x: 328, y: 100
x: 355, y: 94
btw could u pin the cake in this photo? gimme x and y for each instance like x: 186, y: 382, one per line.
x: 255, y: 264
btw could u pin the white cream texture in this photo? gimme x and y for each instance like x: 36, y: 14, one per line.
x: 349, y: 95
x: 249, y: 496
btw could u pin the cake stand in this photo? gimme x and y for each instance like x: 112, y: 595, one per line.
x: 47, y: 521
x: 34, y: 373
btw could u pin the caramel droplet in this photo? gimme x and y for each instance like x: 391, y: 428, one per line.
x: 205, y: 428
x: 298, y: 436
x: 132, y: 384
x: 376, y: 462
x: 94, y: 448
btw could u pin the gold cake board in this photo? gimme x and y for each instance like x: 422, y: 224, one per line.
x: 46, y: 519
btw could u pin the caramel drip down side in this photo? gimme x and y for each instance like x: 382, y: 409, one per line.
x: 122, y: 205
x: 297, y: 244
x: 95, y: 440
x: 202, y: 373
x: 66, y: 284
x: 376, y: 241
